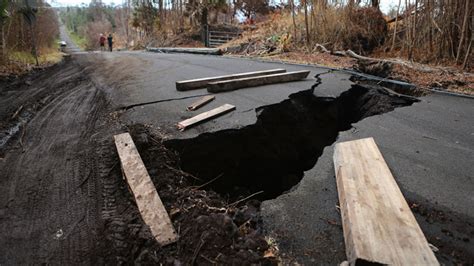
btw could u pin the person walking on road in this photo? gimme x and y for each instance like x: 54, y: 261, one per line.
x: 102, y: 42
x: 110, y: 41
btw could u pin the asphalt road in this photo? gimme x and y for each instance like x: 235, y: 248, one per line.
x: 428, y: 146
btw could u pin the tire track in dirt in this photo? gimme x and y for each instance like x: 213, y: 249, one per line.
x: 51, y: 213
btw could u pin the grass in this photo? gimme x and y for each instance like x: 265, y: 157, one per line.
x: 47, y: 56
x: 77, y: 39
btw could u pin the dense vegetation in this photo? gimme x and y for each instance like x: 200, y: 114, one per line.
x: 29, y: 32
x: 427, y: 31
x: 86, y: 22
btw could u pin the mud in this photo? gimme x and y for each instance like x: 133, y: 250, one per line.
x: 49, y: 210
x: 271, y: 156
x: 211, y: 229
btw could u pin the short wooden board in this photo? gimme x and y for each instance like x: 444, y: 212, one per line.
x: 230, y: 85
x: 148, y: 201
x: 201, y: 102
x: 194, y: 84
x: 377, y: 221
x: 223, y: 109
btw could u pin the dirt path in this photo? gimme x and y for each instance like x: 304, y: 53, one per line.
x: 49, y: 204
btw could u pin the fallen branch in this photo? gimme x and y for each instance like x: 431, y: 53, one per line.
x: 198, y: 248
x: 411, y: 65
x: 179, y: 171
x: 207, y: 183
x: 324, y: 49
x: 17, y: 112
x: 244, y: 199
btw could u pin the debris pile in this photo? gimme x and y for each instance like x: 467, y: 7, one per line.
x: 211, y: 228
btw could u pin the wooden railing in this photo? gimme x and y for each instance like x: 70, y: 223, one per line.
x: 217, y: 38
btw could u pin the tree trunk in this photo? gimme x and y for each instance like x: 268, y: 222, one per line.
x: 464, y: 64
x: 308, y: 37
x: 292, y: 6
x: 204, y: 25
x: 463, y: 31
x: 34, y: 50
x: 413, y: 35
x: 160, y: 13
x: 395, y: 28
x: 375, y: 3
x: 2, y: 40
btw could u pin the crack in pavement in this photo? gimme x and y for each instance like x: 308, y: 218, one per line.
x: 125, y: 108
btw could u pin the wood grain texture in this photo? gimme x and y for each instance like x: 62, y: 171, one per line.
x: 201, y: 102
x: 206, y: 51
x: 194, y: 84
x: 223, y: 109
x: 148, y: 201
x: 234, y: 84
x: 377, y: 221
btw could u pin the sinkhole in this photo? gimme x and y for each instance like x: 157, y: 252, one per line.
x: 287, y: 139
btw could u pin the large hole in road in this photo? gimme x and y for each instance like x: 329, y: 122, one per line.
x: 287, y: 139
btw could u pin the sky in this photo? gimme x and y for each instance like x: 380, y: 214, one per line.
x: 384, y: 4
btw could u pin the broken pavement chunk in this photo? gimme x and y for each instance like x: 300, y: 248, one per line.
x: 205, y: 116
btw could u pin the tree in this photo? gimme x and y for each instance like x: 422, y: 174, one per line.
x: 249, y: 7
x: 4, y: 15
x: 375, y: 3
x: 29, y: 10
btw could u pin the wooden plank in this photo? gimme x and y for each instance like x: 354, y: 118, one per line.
x: 205, y: 116
x: 230, y: 85
x: 203, y: 82
x: 148, y: 201
x: 377, y: 222
x: 206, y: 51
x: 201, y: 102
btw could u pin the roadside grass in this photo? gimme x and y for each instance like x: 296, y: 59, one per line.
x: 46, y: 56
x: 77, y: 39
x: 21, y: 62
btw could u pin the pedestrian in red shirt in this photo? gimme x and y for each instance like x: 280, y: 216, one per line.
x: 102, y: 42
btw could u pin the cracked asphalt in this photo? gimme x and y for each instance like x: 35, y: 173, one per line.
x: 428, y: 146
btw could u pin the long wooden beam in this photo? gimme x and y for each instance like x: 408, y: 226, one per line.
x: 206, y: 51
x: 148, y: 201
x: 377, y: 222
x: 193, y: 84
x: 223, y: 109
x: 230, y: 85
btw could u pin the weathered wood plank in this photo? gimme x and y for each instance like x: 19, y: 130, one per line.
x: 206, y: 51
x: 201, y: 102
x: 235, y: 84
x: 148, y: 201
x: 205, y: 116
x: 377, y: 221
x: 200, y: 83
